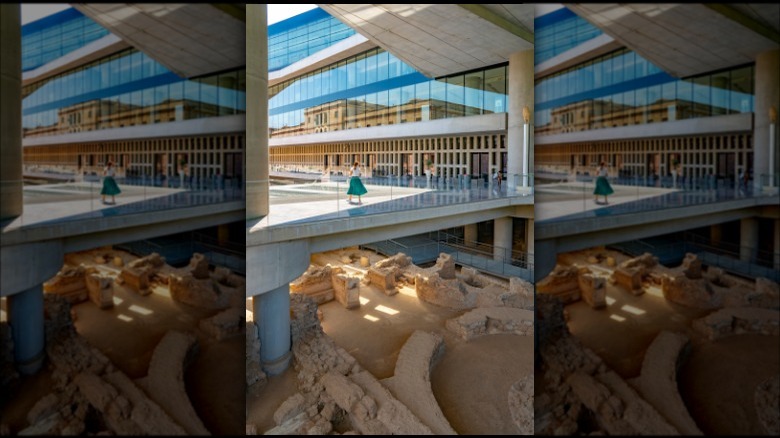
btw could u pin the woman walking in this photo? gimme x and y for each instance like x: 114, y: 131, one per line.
x: 109, y: 184
x: 602, y: 185
x: 356, y: 187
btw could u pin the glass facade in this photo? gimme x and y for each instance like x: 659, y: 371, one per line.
x: 375, y: 88
x: 57, y: 35
x: 126, y: 89
x: 622, y: 88
x: 560, y: 31
x: 303, y: 35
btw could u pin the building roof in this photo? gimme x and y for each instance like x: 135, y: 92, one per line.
x: 687, y: 39
x: 190, y: 39
x: 443, y: 39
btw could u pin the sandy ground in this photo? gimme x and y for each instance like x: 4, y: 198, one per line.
x: 128, y: 333
x: 471, y: 391
x: 719, y: 378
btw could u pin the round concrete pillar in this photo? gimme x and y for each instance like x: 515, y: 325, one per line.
x: 519, y: 136
x: 25, y: 316
x: 544, y: 260
x: 10, y: 111
x: 767, y: 92
x: 272, y: 316
x: 256, y: 163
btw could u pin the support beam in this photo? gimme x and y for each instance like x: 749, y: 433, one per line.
x: 748, y: 239
x: 519, y: 137
x: 502, y: 239
x: 767, y: 96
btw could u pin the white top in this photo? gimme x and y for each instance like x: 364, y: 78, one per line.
x: 603, y: 171
x: 110, y: 171
x: 355, y: 171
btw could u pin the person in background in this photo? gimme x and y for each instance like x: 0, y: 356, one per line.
x: 110, y: 186
x: 602, y: 185
x: 356, y: 187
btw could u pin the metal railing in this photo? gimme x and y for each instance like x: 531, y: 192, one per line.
x: 482, y: 257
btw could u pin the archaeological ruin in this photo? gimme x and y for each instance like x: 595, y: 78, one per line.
x: 134, y: 346
x: 629, y: 346
x: 382, y: 346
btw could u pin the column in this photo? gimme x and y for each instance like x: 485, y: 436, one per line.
x: 748, y: 239
x: 10, y: 111
x: 223, y: 234
x: 716, y: 234
x: 767, y: 92
x: 520, y: 89
x: 502, y: 239
x: 272, y: 316
x: 545, y: 259
x: 529, y: 239
x: 776, y: 245
x: 470, y: 234
x: 256, y: 162
x: 25, y: 316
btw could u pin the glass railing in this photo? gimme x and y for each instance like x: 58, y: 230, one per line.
x: 567, y: 197
x: 51, y: 197
x: 300, y: 197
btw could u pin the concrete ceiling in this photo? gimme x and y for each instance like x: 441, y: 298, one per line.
x: 687, y: 39
x: 442, y: 39
x: 190, y: 39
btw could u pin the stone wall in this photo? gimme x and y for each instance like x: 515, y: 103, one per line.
x: 492, y: 320
x: 254, y: 369
x: 738, y: 320
x: 225, y: 324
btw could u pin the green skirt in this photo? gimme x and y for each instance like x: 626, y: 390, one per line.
x: 356, y: 187
x: 110, y: 187
x: 603, y: 187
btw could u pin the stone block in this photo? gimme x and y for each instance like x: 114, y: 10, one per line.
x: 101, y: 290
x: 384, y: 279
x: 346, y: 291
x: 445, y: 266
x: 199, y: 266
x: 611, y: 262
x: 593, y: 289
x: 364, y: 262
x: 692, y: 266
x: 630, y: 278
x: 118, y: 262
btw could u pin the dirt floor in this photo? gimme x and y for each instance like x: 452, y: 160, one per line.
x: 717, y: 381
x: 472, y: 391
x: 128, y: 333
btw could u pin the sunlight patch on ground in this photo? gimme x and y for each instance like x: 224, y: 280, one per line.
x: 408, y: 291
x: 385, y: 309
x: 633, y: 310
x: 371, y: 318
x: 124, y: 318
x: 617, y: 318
x: 141, y: 310
x: 654, y: 291
x: 364, y: 301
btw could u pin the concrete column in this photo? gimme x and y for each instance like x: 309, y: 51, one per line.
x: 767, y: 92
x: 10, y: 111
x: 256, y: 111
x: 223, y: 234
x: 776, y: 245
x: 470, y: 234
x: 520, y: 88
x: 748, y: 239
x: 545, y: 259
x: 716, y: 234
x: 529, y: 238
x: 25, y: 316
x: 272, y: 316
x: 502, y: 239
